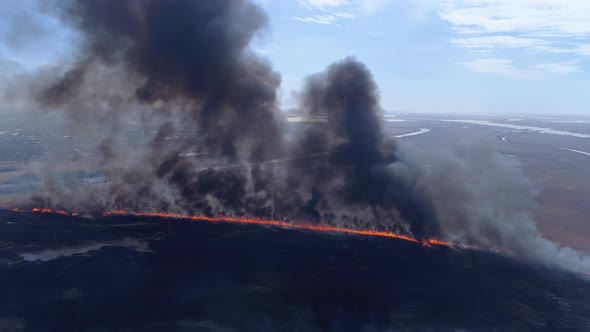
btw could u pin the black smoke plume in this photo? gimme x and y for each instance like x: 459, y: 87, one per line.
x: 186, y: 66
x: 191, y: 54
x: 361, y: 168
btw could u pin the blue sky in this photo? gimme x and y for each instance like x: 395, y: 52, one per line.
x: 492, y: 56
x: 474, y: 56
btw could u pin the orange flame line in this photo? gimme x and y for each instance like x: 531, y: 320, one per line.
x: 257, y: 221
x: 265, y: 222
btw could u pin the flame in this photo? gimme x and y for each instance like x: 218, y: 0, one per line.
x: 267, y: 222
x: 439, y: 242
x: 114, y: 213
x: 48, y: 211
x: 258, y: 221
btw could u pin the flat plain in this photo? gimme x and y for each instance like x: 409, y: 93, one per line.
x: 552, y: 152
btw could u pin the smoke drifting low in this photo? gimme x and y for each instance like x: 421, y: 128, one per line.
x: 186, y: 65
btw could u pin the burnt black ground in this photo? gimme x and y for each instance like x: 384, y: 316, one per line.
x: 225, y: 277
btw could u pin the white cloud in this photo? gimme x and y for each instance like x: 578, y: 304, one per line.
x: 558, y: 68
x: 488, y: 42
x: 322, y: 3
x: 372, y: 6
x: 364, y: 5
x: 422, y: 10
x: 500, y: 67
x: 506, y: 68
x: 344, y: 15
x: 332, y: 3
x: 318, y: 19
x: 583, y: 49
x: 553, y: 27
x: 531, y: 17
x: 332, y: 11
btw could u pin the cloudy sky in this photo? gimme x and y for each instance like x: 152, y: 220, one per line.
x: 484, y: 56
x: 444, y: 55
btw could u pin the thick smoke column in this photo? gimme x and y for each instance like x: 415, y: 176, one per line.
x: 361, y: 169
x: 190, y: 54
x: 184, y: 63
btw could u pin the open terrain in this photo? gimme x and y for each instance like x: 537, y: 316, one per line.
x: 553, y: 152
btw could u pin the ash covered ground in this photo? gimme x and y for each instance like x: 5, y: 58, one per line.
x: 148, y: 274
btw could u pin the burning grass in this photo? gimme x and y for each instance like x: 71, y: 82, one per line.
x: 258, y: 221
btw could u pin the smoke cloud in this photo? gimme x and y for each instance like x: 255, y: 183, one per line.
x: 177, y: 55
x: 484, y: 198
x: 187, y: 66
x: 185, y: 70
x: 361, y: 171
